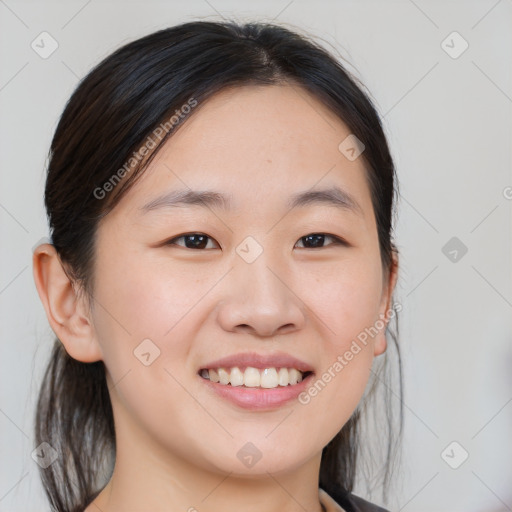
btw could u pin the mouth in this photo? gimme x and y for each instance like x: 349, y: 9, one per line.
x: 251, y: 377
x: 256, y: 382
x: 256, y: 389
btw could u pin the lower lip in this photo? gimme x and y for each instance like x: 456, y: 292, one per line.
x: 258, y: 398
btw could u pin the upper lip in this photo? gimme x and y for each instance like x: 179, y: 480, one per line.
x: 277, y: 360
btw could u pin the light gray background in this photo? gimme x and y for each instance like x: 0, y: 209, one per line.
x: 449, y: 127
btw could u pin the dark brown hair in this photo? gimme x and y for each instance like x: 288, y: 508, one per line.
x: 114, y: 110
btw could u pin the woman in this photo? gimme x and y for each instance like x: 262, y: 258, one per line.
x: 219, y: 278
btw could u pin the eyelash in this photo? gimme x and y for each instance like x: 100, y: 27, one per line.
x: 336, y: 240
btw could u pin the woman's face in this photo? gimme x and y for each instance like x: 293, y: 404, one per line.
x: 249, y: 283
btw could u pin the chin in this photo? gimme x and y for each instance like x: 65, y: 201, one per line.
x: 258, y: 458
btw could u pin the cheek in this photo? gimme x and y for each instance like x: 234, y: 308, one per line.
x: 345, y: 298
x: 143, y: 298
x: 152, y: 301
x: 346, y: 302
x: 147, y: 312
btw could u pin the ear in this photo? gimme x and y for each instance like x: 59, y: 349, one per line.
x: 385, y: 311
x: 66, y: 309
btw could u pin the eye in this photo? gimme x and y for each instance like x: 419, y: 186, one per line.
x: 192, y: 241
x: 317, y: 239
x: 200, y: 241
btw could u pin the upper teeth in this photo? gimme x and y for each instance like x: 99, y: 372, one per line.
x: 254, y: 377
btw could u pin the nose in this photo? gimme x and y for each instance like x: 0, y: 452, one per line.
x: 260, y: 299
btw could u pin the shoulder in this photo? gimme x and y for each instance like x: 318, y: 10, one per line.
x: 352, y: 503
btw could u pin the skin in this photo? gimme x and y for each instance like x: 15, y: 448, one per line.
x: 176, y: 442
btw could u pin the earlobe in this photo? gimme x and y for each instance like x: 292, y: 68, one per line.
x: 65, y: 309
x: 380, y: 342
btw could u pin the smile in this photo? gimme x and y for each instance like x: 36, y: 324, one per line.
x: 251, y: 377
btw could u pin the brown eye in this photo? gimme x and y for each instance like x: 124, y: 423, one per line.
x: 192, y: 241
x: 200, y: 241
x: 316, y: 240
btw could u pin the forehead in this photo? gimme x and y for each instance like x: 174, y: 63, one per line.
x: 254, y: 145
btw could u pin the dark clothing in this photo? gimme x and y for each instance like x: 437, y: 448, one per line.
x: 352, y: 503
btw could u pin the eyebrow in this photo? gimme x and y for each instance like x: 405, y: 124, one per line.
x: 334, y: 196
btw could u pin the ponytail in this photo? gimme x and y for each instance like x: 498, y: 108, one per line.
x: 74, y: 416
